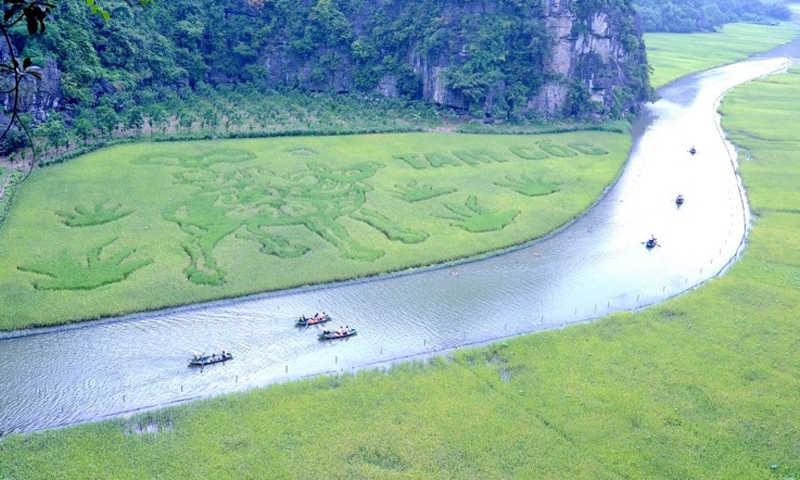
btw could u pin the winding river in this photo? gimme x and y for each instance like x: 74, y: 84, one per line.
x: 596, y: 266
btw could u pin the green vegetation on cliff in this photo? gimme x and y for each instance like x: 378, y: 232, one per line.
x: 706, y: 15
x: 164, y: 68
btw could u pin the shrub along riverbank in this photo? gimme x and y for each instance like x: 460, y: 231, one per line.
x: 702, y: 386
x: 145, y: 226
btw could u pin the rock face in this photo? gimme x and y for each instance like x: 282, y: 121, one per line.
x: 592, y: 53
x: 37, y: 98
x: 589, y: 62
x: 505, y: 59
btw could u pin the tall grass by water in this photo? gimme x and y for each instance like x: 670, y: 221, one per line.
x: 702, y: 386
x: 144, y: 226
x: 675, y: 55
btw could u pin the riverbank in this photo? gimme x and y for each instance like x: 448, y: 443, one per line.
x: 702, y: 386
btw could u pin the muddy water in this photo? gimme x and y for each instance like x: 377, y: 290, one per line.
x: 597, y: 266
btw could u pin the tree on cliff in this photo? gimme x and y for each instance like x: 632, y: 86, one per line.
x: 684, y: 16
x: 30, y: 15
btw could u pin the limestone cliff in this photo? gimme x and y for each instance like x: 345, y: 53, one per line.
x: 602, y: 53
x: 554, y: 58
x: 36, y: 98
x: 502, y: 59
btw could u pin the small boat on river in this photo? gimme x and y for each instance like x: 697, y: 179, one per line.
x: 692, y: 150
x: 651, y: 243
x: 304, y: 321
x: 679, y: 200
x: 334, y: 334
x: 201, y: 360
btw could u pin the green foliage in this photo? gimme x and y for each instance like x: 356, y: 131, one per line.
x: 9, y: 191
x: 706, y: 15
x: 13, y: 141
x: 508, y: 48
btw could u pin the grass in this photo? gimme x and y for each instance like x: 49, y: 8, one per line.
x: 676, y: 55
x: 144, y: 226
x: 702, y: 386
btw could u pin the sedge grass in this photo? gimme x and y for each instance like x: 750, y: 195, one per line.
x: 702, y: 386
x: 675, y: 55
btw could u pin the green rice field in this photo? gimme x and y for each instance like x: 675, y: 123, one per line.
x: 139, y: 227
x: 674, y: 55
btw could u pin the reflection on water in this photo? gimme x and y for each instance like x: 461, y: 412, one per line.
x: 597, y: 266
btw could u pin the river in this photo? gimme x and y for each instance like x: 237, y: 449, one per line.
x: 597, y: 266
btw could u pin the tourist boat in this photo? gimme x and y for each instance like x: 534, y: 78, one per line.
x: 334, y: 334
x: 304, y: 321
x: 203, y: 360
x: 651, y: 243
x: 679, y: 200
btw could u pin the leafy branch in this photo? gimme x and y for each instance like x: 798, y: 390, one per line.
x: 13, y: 72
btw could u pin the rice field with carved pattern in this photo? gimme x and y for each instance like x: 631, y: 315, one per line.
x: 141, y: 227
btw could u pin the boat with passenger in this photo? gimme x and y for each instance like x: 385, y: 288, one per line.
x: 304, y: 321
x: 651, y: 242
x: 342, y: 332
x: 201, y: 360
x: 679, y: 200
